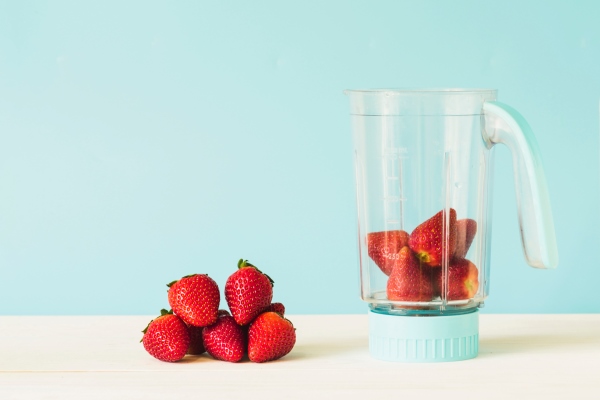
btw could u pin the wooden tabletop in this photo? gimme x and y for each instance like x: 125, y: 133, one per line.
x: 92, y: 357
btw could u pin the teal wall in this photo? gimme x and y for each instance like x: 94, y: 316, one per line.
x: 143, y: 141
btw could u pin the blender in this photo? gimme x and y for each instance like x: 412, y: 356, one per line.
x: 423, y: 165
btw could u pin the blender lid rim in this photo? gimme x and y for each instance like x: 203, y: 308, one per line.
x: 424, y: 91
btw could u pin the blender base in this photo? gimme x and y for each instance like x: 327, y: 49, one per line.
x: 419, y: 339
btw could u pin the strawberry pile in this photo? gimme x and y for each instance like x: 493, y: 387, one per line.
x: 254, y: 326
x: 413, y: 262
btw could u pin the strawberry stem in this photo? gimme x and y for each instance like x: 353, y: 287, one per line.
x: 244, y: 264
x: 162, y: 312
x: 187, y: 276
x: 270, y: 280
x: 423, y: 256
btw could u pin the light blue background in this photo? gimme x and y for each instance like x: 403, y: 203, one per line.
x: 143, y: 141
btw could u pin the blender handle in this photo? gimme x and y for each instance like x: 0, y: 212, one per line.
x: 503, y: 124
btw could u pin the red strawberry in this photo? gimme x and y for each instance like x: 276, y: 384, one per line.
x: 270, y: 336
x: 410, y: 280
x: 223, y: 313
x: 195, y: 298
x: 465, y: 232
x: 196, y: 343
x: 463, y: 280
x: 429, y: 241
x: 434, y: 277
x: 383, y: 248
x: 277, y: 307
x: 248, y: 292
x: 225, y: 340
x: 166, y: 337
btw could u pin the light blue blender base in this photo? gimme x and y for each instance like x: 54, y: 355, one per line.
x: 423, y: 338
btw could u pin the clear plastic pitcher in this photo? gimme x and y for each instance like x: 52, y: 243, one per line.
x: 423, y: 162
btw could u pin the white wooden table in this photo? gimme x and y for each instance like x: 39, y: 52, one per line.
x: 521, y: 357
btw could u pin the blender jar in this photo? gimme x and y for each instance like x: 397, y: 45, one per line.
x: 423, y: 161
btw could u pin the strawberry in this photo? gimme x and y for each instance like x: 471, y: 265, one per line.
x: 465, y: 232
x: 223, y: 313
x: 436, y: 280
x: 383, y: 248
x: 195, y: 298
x: 276, y: 307
x: 410, y: 280
x: 463, y: 280
x: 225, y: 340
x: 270, y: 336
x: 196, y: 343
x: 248, y: 292
x: 429, y: 241
x: 166, y: 338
